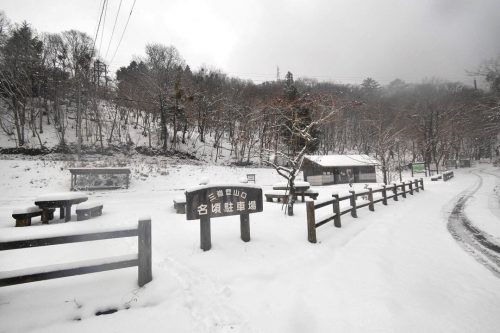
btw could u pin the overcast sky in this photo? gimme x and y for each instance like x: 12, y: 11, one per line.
x: 342, y: 41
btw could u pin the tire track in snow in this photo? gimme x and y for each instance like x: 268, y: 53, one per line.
x: 478, y: 243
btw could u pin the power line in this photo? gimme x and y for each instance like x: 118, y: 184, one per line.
x: 98, y: 26
x: 96, y: 23
x: 123, y: 33
x: 114, y: 26
x: 103, y: 24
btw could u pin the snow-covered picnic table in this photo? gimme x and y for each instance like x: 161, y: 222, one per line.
x: 62, y: 200
x: 301, y: 189
x: 299, y: 186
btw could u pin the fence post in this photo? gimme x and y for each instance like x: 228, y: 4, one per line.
x: 384, y: 195
x: 416, y: 186
x: 403, y: 186
x: 311, y: 221
x: 144, y: 255
x: 410, y: 184
x: 336, y: 211
x: 422, y: 183
x: 352, y: 200
x: 370, y: 198
x: 395, y: 191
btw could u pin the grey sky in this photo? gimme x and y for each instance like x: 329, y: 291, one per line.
x: 342, y: 41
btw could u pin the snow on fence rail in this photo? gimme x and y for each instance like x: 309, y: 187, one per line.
x: 368, y: 201
x: 142, y: 259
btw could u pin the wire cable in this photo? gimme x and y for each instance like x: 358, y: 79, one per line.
x: 123, y: 33
x: 113, y: 31
x: 98, y: 26
x: 103, y: 24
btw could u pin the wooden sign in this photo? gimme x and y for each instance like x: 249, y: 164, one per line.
x: 218, y: 201
x: 208, y: 202
x: 418, y: 167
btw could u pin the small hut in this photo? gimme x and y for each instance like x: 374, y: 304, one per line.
x: 339, y: 169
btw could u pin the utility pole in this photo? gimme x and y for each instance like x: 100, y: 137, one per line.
x: 99, y: 69
x: 278, y: 74
x: 105, y: 74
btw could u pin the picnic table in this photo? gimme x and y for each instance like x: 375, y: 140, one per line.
x: 299, y: 186
x: 63, y: 201
x: 301, y: 189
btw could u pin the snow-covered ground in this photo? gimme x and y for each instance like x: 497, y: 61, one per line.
x: 395, y: 270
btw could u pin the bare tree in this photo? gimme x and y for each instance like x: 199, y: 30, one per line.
x: 301, y: 133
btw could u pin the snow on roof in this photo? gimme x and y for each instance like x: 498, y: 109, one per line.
x: 342, y: 160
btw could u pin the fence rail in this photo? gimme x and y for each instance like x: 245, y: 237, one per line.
x: 142, y: 259
x: 387, y: 192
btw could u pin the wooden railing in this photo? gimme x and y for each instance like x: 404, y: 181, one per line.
x: 387, y: 192
x: 142, y: 259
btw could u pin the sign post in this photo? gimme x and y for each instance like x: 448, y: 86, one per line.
x: 206, y: 202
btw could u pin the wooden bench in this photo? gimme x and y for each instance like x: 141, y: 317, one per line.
x: 278, y: 194
x: 447, y: 175
x: 89, y: 172
x: 87, y: 210
x: 23, y: 215
x: 308, y: 193
x: 180, y: 205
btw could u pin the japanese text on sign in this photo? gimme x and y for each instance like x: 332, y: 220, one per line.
x: 223, y: 201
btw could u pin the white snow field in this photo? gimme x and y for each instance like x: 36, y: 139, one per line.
x: 397, y: 269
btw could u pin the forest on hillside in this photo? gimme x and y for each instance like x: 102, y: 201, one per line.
x: 59, y: 82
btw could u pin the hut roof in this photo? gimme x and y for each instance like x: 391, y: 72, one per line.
x: 342, y: 160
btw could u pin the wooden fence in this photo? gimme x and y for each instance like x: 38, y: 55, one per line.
x: 142, y: 259
x: 387, y: 192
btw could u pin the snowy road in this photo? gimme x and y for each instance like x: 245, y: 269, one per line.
x: 479, y: 243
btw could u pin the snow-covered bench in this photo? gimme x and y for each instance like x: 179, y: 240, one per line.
x: 23, y: 215
x: 283, y: 195
x: 86, y: 210
x: 278, y: 194
x: 308, y: 193
x: 447, y: 175
x: 180, y: 205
